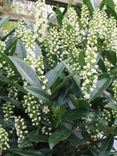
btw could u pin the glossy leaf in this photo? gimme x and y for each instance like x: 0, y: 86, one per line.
x: 54, y: 74
x: 39, y: 93
x: 58, y: 136
x: 76, y: 114
x: 26, y: 71
x: 20, y: 50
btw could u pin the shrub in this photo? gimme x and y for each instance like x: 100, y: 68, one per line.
x: 58, y: 83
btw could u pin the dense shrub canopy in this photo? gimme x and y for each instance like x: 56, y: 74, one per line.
x: 58, y: 87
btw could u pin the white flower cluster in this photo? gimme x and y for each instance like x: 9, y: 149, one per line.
x: 4, y: 65
x: 31, y: 106
x: 70, y: 38
x: 115, y: 89
x: 4, y: 140
x: 2, y: 47
x: 99, y: 23
x: 27, y: 37
x: 89, y: 74
x: 13, y: 92
x: 38, y: 112
x: 52, y: 46
x: 109, y: 116
x: 84, y: 19
x: 10, y: 71
x: 39, y: 68
x: 111, y: 35
x: 8, y: 111
x: 21, y: 129
x: 99, y: 32
x: 105, y: 28
x: 40, y: 24
x: 46, y: 122
x: 70, y: 32
x: 108, y: 65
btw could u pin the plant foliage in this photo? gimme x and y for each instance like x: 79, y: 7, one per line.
x: 58, y: 83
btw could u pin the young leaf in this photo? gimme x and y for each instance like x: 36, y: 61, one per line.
x: 26, y: 71
x: 58, y: 136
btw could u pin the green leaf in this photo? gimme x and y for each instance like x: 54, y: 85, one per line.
x: 33, y: 136
x: 103, y: 2
x: 53, y: 75
x: 38, y: 51
x: 76, y: 114
x: 59, y: 15
x: 101, y: 85
x: 8, y: 34
x: 111, y: 57
x: 28, y: 152
x: 20, y: 49
x: 112, y: 103
x: 58, y: 136
x: 4, y: 20
x: 39, y: 93
x: 79, y: 103
x: 26, y: 71
x: 4, y: 57
x: 78, y: 82
x: 81, y: 58
x: 8, y: 81
x: 89, y: 5
x: 61, y: 85
x: 106, y: 146
x: 111, y: 8
x: 12, y: 101
x: 76, y: 141
x: 101, y: 64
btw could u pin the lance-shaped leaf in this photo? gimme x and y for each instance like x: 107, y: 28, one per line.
x: 20, y: 50
x: 39, y: 93
x: 58, y: 136
x: 106, y: 146
x: 26, y: 71
x: 53, y: 75
x: 76, y: 114
x: 4, y: 20
x: 28, y: 152
x: 101, y: 85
